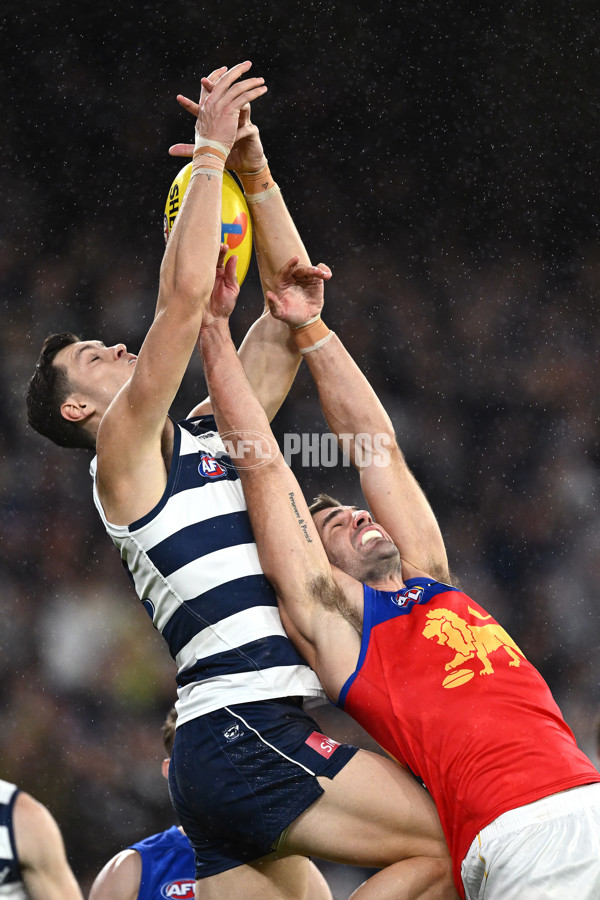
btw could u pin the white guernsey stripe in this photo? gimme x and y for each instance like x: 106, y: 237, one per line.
x: 191, y: 580
x: 215, y: 569
x: 197, y: 699
x: 211, y: 443
x: 5, y: 846
x: 6, y: 791
x: 13, y: 891
x: 234, y: 631
x: 190, y: 507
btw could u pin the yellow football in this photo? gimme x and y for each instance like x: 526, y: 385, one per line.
x: 236, y: 227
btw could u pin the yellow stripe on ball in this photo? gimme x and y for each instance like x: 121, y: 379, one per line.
x: 236, y: 227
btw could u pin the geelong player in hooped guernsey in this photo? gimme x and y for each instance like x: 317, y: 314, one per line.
x: 195, y: 566
x: 441, y: 685
x: 33, y: 860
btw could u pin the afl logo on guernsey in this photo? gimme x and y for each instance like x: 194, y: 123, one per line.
x: 180, y: 889
x: 402, y: 598
x: 210, y: 468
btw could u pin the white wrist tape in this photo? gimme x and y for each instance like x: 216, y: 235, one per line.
x: 204, y: 142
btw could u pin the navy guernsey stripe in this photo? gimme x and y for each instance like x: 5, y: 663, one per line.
x: 256, y: 656
x: 9, y: 865
x: 215, y: 605
x: 200, y: 539
x: 199, y: 424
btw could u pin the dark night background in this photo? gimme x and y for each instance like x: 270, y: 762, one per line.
x: 442, y: 159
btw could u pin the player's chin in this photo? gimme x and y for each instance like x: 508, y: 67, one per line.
x: 385, y: 551
x: 381, y: 545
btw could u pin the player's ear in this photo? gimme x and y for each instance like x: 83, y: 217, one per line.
x: 165, y: 767
x: 76, y: 410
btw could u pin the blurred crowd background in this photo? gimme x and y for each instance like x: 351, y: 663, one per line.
x: 442, y: 159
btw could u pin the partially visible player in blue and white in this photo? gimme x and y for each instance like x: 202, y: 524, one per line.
x: 162, y: 865
x: 33, y: 861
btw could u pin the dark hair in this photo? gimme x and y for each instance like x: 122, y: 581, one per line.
x: 323, y: 501
x: 168, y: 730
x: 48, y: 388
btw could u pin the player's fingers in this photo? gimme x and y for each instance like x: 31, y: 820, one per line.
x: 209, y: 83
x: 181, y: 150
x: 206, y: 89
x: 222, y: 254
x: 230, y: 270
x: 244, y: 92
x: 216, y: 74
x: 228, y: 78
x: 274, y: 304
x: 190, y: 105
x: 308, y: 271
x: 244, y: 119
x: 289, y: 266
x: 325, y: 270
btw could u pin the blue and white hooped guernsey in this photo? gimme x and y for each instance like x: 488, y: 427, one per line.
x: 195, y: 567
x: 11, y: 883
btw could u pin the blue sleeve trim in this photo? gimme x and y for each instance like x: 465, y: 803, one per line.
x: 11, y: 831
x: 364, y: 645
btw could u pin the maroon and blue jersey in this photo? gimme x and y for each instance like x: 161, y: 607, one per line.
x: 446, y: 691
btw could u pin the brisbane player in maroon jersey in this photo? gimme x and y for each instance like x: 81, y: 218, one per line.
x: 367, y: 599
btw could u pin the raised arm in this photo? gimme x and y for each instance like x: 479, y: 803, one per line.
x: 269, y: 356
x: 41, y: 852
x: 130, y: 463
x: 365, y: 432
x: 313, y: 607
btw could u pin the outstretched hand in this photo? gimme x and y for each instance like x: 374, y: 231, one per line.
x: 247, y: 154
x: 299, y: 290
x: 225, y: 291
x: 221, y: 102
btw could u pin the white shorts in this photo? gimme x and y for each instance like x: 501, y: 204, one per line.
x: 547, y: 850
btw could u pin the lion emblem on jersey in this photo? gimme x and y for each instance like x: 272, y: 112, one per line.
x: 468, y: 641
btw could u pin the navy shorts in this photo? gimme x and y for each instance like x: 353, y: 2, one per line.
x: 240, y: 775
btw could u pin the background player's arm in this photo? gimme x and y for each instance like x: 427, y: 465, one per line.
x: 314, y: 609
x: 268, y: 354
x: 41, y: 852
x: 120, y: 878
x: 351, y: 407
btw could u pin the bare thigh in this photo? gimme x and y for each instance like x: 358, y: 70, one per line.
x: 373, y: 813
x: 292, y: 878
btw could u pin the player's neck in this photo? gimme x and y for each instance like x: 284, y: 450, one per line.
x: 385, y: 578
